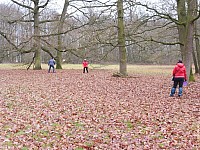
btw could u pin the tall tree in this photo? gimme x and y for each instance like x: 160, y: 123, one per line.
x: 186, y: 17
x: 60, y: 30
x: 197, y: 44
x: 36, y: 45
x: 188, y: 44
x: 182, y: 17
x: 36, y: 20
x: 121, y: 39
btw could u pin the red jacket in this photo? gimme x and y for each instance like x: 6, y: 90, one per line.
x: 85, y: 64
x: 179, y: 71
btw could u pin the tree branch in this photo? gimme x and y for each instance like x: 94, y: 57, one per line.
x: 22, y: 5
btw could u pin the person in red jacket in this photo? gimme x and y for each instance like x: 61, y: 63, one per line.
x: 85, y: 65
x: 179, y: 76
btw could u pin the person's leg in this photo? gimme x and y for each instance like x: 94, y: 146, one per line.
x: 173, y: 90
x: 181, y: 80
x: 49, y: 69
x: 83, y: 69
x: 87, y: 69
x: 53, y: 68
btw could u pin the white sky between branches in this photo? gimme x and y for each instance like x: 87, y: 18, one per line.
x: 58, y: 4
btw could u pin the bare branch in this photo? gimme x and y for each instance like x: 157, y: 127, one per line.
x: 43, y: 6
x: 162, y: 15
x: 22, y: 5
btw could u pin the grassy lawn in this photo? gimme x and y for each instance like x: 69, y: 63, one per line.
x: 132, y: 69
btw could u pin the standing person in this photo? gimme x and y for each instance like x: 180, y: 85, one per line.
x: 179, y: 76
x: 51, y: 64
x: 85, y: 65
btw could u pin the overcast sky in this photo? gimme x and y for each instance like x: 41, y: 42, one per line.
x: 58, y: 4
x: 62, y: 1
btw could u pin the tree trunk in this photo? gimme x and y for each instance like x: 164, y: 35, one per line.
x: 197, y: 51
x: 197, y: 44
x: 59, y: 53
x: 59, y: 60
x: 60, y: 29
x: 195, y: 62
x: 189, y: 35
x: 36, y: 44
x: 121, y: 39
x: 189, y: 47
x: 181, y: 10
x: 186, y: 30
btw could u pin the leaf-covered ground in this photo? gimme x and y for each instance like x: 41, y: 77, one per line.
x: 69, y: 110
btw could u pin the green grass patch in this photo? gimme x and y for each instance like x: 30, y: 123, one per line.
x: 78, y: 124
x: 129, y: 124
x: 131, y: 69
x: 79, y: 148
x: 24, y: 148
x: 12, y: 66
x: 20, y: 133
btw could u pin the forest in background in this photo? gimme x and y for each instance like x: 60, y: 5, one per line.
x: 89, y: 31
x: 32, y: 31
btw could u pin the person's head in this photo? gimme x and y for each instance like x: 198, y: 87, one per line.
x: 85, y: 59
x: 180, y: 61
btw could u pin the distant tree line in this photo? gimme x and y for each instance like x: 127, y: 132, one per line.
x: 32, y: 32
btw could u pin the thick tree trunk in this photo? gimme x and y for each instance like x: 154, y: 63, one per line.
x: 189, y: 35
x: 37, y: 45
x: 197, y: 45
x: 181, y: 10
x: 197, y: 52
x: 59, y: 60
x: 186, y: 30
x: 59, y: 53
x: 60, y: 29
x: 195, y: 62
x: 189, y: 47
x: 121, y: 39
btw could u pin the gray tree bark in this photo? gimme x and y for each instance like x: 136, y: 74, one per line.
x: 60, y: 30
x: 37, y: 45
x: 121, y: 39
x: 186, y: 18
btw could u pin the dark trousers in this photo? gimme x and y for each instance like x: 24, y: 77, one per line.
x: 178, y: 81
x: 51, y: 66
x: 85, y: 68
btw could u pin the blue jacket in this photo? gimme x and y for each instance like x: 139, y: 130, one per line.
x: 51, y: 62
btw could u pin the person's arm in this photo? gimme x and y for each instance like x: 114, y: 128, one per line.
x: 174, y: 71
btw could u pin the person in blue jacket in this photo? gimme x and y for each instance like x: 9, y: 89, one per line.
x: 51, y: 64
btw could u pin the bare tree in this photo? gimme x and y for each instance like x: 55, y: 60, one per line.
x: 60, y: 30
x: 36, y: 21
x: 187, y: 30
x: 121, y: 39
x: 197, y: 45
x: 185, y: 24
